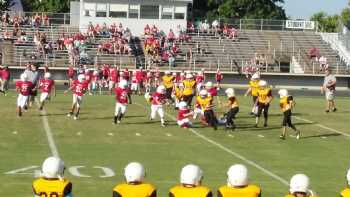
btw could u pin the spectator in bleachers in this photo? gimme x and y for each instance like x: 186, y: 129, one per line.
x: 190, y: 27
x: 171, y: 36
x: 313, y: 53
x: 323, y: 63
x: 205, y: 27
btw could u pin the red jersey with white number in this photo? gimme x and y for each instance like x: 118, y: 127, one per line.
x: 25, y: 87
x: 79, y: 88
x: 113, y: 72
x: 213, y: 91
x: 218, y: 76
x: 199, y: 79
x: 181, y: 114
x: 46, y: 85
x: 158, y: 99
x: 88, y: 77
x: 121, y: 95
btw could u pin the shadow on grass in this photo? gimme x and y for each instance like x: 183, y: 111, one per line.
x: 322, y: 135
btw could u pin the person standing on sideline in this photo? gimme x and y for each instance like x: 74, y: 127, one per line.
x: 328, y: 89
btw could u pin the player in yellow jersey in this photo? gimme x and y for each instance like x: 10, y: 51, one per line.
x: 253, y: 89
x: 286, y: 104
x: 134, y: 186
x: 168, y: 82
x: 346, y: 191
x: 263, y: 102
x: 191, y: 183
x: 299, y: 187
x: 52, y: 182
x: 237, y: 184
x: 189, y: 89
x: 233, y: 108
x: 178, y: 94
x: 205, y: 103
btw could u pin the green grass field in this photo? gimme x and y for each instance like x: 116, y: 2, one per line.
x: 93, y: 142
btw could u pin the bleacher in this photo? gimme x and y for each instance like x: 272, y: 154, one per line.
x: 230, y: 55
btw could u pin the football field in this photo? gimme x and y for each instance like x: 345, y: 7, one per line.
x: 95, y: 151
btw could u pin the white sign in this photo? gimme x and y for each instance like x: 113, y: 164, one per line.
x: 310, y: 25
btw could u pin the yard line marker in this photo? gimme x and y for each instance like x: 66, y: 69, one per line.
x: 168, y: 134
x: 48, y: 132
x: 261, y: 136
x: 21, y: 171
x: 323, y: 127
x: 318, y: 125
x: 233, y: 153
x: 138, y: 134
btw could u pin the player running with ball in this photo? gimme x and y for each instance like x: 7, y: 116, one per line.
x: 121, y: 96
x: 46, y: 86
x: 78, y: 88
x: 158, y: 99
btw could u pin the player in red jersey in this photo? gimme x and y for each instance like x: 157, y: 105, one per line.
x: 212, y: 91
x: 78, y: 89
x: 218, y: 78
x: 134, y: 83
x: 183, y: 115
x: 199, y: 81
x: 126, y: 74
x: 158, y: 99
x: 24, y: 89
x: 113, y: 78
x: 46, y: 86
x: 121, y: 96
x: 140, y: 77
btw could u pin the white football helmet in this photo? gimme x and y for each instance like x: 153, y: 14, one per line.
x: 182, y: 105
x: 262, y: 83
x: 255, y: 76
x: 174, y: 74
x: 191, y: 175
x: 123, y: 84
x: 53, y: 167
x: 203, y: 93
x: 47, y: 75
x: 189, y: 76
x: 348, y: 177
x: 81, y: 78
x: 167, y: 72
x: 230, y: 92
x: 24, y: 77
x: 299, y: 183
x: 237, y: 175
x: 182, y: 74
x: 161, y: 89
x: 283, y: 93
x: 134, y: 172
x: 209, y: 84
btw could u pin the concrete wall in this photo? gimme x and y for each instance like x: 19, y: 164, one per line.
x: 74, y: 13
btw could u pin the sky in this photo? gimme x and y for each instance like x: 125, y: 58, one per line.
x: 303, y: 9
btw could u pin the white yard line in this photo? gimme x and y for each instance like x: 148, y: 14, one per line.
x: 233, y: 153
x: 48, y: 132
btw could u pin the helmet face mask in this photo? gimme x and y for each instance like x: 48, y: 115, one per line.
x: 262, y: 84
x: 47, y: 75
x: 81, y: 78
x: 203, y: 93
x: 283, y: 93
x: 182, y: 105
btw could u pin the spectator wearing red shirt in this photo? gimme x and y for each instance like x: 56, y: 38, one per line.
x: 4, y: 79
x: 218, y: 78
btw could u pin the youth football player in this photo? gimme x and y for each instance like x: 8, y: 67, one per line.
x: 263, y: 102
x: 191, y: 183
x: 183, y: 115
x: 121, y: 96
x: 286, y: 104
x: 233, y: 107
x: 206, y: 104
x: 46, y: 85
x: 134, y: 185
x: 24, y: 89
x: 238, y: 184
x: 158, y: 99
x: 299, y: 187
x: 52, y: 182
x: 78, y: 89
x: 168, y: 82
x: 253, y: 90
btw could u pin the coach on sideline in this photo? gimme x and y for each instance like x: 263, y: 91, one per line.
x: 329, y: 89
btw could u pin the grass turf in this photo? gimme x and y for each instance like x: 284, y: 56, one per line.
x: 93, y: 141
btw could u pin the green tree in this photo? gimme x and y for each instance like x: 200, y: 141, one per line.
x: 345, y: 17
x: 326, y: 23
x: 5, y: 5
x: 56, y: 6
